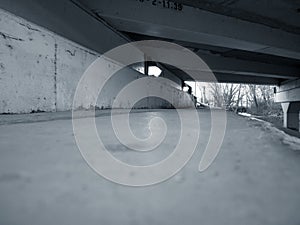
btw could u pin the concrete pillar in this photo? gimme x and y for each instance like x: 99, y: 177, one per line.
x: 288, y: 93
x: 291, y: 115
x: 146, y: 65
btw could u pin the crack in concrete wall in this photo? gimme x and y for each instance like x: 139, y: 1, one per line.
x: 55, y: 75
x: 71, y: 53
x: 29, y: 27
x: 8, y: 36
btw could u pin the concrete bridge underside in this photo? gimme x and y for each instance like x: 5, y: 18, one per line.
x: 239, y: 41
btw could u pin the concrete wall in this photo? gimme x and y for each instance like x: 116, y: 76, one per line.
x: 27, y: 63
x: 39, y: 70
x: 168, y: 75
x: 67, y: 19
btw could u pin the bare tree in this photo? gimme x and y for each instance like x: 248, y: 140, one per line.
x: 229, y: 93
x: 266, y: 94
x: 225, y: 94
x: 258, y: 97
x: 216, y: 92
x: 239, y: 95
x: 253, y: 95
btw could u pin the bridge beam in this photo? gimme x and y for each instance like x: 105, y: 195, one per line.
x: 153, y: 19
x: 240, y: 70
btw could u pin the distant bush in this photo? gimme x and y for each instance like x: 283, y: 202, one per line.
x: 264, y: 109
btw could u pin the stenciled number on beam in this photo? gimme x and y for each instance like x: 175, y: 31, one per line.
x: 165, y: 4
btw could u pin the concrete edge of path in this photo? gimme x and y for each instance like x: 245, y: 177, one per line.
x: 6, y: 119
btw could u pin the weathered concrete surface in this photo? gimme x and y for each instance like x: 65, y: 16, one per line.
x: 288, y: 91
x: 44, y: 180
x: 27, y: 66
x: 66, y: 18
x: 40, y: 70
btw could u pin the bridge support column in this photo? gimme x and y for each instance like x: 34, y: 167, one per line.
x: 291, y: 115
x: 288, y: 94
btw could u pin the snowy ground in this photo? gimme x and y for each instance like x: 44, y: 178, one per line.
x: 44, y: 180
x: 292, y: 141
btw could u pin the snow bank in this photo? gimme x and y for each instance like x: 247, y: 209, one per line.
x: 292, y: 141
